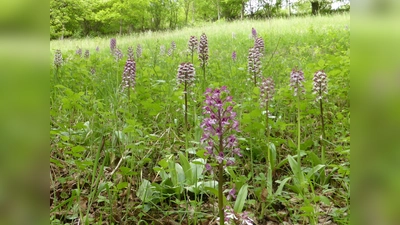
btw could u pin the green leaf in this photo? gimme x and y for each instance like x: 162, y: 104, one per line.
x: 122, y: 185
x: 145, y: 192
x: 256, y: 90
x: 321, y: 63
x: 281, y: 185
x: 186, y: 168
x: 298, y: 174
x: 314, y: 170
x: 240, y: 199
x: 324, y: 200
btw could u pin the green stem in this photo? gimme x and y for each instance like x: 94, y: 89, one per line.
x: 220, y: 194
x: 298, y: 131
x: 323, y: 132
x: 269, y: 164
x: 186, y: 105
x: 220, y: 179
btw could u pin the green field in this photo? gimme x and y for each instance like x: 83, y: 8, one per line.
x: 126, y: 157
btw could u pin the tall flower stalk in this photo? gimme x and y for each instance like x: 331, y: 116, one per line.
x: 192, y: 45
x: 254, y: 64
x: 203, y: 53
x: 113, y: 45
x: 186, y: 78
x: 296, y: 83
x: 320, y: 88
x: 259, y: 44
x: 267, y: 90
x: 58, y: 62
x: 129, y: 76
x: 219, y: 128
x: 130, y: 53
x: 138, y: 51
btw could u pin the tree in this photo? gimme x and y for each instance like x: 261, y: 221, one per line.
x: 65, y: 17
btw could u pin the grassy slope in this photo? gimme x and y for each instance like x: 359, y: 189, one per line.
x: 91, y: 110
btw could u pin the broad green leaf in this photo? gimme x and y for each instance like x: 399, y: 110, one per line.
x: 145, y: 192
x: 241, y: 198
x: 186, y: 168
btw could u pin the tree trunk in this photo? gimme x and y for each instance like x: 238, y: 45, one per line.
x: 218, y: 9
x: 242, y: 11
x: 120, y: 27
x: 315, y: 7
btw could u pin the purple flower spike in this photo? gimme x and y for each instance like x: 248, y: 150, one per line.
x: 296, y: 81
x: 58, y: 59
x: 138, y: 51
x: 193, y: 44
x: 254, y: 65
x: 129, y: 75
x: 87, y: 54
x: 79, y: 52
x: 254, y: 33
x: 186, y: 73
x: 267, y: 91
x: 130, y: 53
x: 259, y: 44
x: 113, y: 44
x: 203, y: 50
x: 219, y: 125
x: 234, y: 56
x: 118, y: 54
x: 320, y: 84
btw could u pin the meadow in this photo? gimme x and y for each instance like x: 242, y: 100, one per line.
x: 141, y: 154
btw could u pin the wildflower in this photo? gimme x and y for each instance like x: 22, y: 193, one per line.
x: 58, y: 59
x: 296, y: 81
x: 233, y: 35
x: 320, y: 84
x: 97, y: 49
x: 236, y: 218
x: 231, y: 194
x: 219, y: 123
x: 234, y: 56
x: 162, y: 50
x: 87, y: 54
x: 254, y: 64
x: 253, y: 33
x: 118, y: 54
x: 193, y: 44
x: 173, y: 45
x: 203, y: 50
x: 186, y: 74
x: 113, y: 44
x: 138, y: 51
x: 129, y: 75
x: 93, y: 70
x: 79, y: 52
x: 259, y: 43
x: 169, y: 52
x: 267, y: 90
x: 130, y: 52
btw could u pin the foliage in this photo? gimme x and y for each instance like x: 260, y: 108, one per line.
x: 79, y: 18
x: 125, y: 157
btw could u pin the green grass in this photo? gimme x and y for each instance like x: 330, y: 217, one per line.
x: 106, y: 145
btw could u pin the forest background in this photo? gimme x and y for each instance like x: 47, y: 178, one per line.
x: 89, y: 18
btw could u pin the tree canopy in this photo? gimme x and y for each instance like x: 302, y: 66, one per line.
x: 77, y: 18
